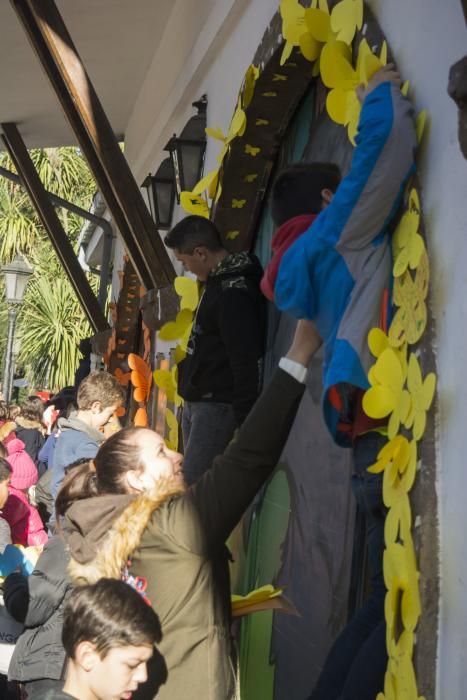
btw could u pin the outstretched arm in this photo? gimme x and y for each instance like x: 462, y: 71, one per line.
x: 202, y: 520
x: 383, y: 159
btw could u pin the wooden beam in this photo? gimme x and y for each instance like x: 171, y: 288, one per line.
x: 47, y: 214
x: 65, y: 70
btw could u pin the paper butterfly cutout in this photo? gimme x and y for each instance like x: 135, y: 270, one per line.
x: 141, y: 379
x: 194, y: 204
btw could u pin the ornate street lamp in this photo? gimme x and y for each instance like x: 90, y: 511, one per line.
x: 16, y: 276
x: 161, y: 194
x: 187, y: 150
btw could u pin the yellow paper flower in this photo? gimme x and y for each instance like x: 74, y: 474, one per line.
x: 173, y: 330
x: 346, y: 18
x: 378, y: 342
x: 401, y: 580
x: 421, y: 392
x: 398, y: 460
x: 338, y: 73
x: 179, y: 354
x: 387, y: 396
x: 164, y: 379
x: 172, y: 423
x: 187, y: 290
x: 293, y: 26
x: 409, y: 295
x: 408, y: 245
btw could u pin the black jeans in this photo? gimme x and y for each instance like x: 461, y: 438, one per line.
x: 356, y: 663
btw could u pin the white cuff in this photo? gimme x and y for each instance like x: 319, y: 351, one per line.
x: 295, y: 369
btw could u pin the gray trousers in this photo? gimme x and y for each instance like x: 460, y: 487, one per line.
x: 207, y: 429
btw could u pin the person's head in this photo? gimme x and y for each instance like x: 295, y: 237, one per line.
x: 109, y: 633
x: 4, y: 413
x: 32, y: 409
x: 5, y: 474
x: 23, y: 470
x: 99, y: 396
x: 303, y: 188
x: 13, y: 411
x: 134, y: 460
x: 197, y: 244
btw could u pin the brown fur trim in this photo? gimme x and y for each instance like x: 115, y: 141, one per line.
x: 29, y: 424
x: 123, y: 538
x: 6, y: 429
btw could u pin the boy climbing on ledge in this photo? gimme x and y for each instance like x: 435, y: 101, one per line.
x: 332, y: 265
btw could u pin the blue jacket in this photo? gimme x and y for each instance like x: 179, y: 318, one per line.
x: 76, y: 440
x: 335, y: 274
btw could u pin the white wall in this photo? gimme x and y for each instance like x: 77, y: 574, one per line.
x: 427, y: 36
x: 211, y: 59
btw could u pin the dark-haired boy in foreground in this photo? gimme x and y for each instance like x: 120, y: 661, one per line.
x: 332, y: 265
x: 109, y: 633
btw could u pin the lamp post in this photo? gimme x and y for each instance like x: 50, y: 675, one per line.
x: 187, y: 150
x: 161, y: 194
x: 16, y: 275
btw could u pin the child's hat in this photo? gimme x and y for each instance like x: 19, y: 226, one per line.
x: 23, y: 470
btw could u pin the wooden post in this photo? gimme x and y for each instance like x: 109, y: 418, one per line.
x: 60, y: 59
x: 47, y: 214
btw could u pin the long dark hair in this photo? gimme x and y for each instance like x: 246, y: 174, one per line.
x: 104, y: 474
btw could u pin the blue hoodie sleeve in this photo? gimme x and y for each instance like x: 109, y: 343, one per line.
x: 362, y: 206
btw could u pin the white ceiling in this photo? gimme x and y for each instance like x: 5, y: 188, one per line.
x: 116, y: 40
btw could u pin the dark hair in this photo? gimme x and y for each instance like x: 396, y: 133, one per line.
x: 194, y: 231
x: 99, y: 386
x: 5, y: 468
x: 105, y: 474
x: 297, y: 189
x: 108, y: 614
x: 4, y: 410
x: 33, y: 409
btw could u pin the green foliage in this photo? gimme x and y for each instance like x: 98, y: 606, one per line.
x: 51, y: 322
x: 62, y: 171
x: 52, y: 325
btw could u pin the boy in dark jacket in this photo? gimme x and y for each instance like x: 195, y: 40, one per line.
x: 221, y: 375
x: 109, y: 634
x: 332, y: 265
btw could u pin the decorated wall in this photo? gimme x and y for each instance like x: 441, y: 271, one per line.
x: 403, y: 382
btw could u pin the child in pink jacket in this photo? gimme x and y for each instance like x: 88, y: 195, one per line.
x: 24, y: 520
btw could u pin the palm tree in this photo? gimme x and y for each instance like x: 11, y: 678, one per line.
x: 51, y: 322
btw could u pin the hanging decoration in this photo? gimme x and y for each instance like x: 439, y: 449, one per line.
x: 141, y: 380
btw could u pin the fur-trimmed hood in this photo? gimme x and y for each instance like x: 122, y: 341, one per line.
x: 28, y: 424
x: 102, y: 532
x: 6, y: 429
